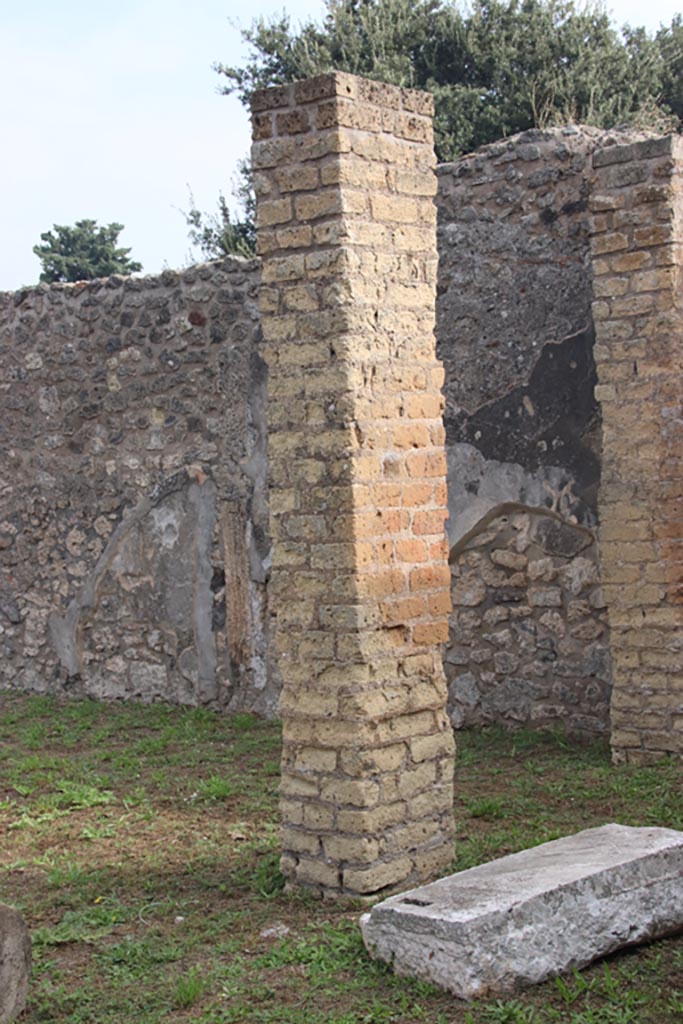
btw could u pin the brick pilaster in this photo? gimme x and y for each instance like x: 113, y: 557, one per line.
x: 637, y: 236
x: 344, y: 176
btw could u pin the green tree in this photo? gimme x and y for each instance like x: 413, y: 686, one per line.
x: 83, y: 252
x: 218, y: 234
x: 499, y: 67
x: 670, y: 45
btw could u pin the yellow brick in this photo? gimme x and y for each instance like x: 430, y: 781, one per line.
x: 354, y: 849
x: 306, y: 700
x: 425, y: 748
x: 655, y: 234
x: 384, y: 759
x: 627, y: 262
x: 393, y: 208
x: 283, y: 268
x: 412, y: 183
x: 273, y: 211
x: 432, y: 863
x: 298, y: 785
x: 300, y: 841
x: 379, y: 876
x: 375, y: 820
x: 315, y: 759
x: 297, y: 178
x: 321, y: 204
x: 294, y: 238
x: 349, y: 170
x: 318, y: 873
x: 291, y: 811
x: 436, y: 800
x: 414, y: 835
x: 350, y: 792
x: 607, y: 243
x: 409, y: 783
x: 317, y: 816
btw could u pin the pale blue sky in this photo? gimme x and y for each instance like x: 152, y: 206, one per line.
x: 108, y: 111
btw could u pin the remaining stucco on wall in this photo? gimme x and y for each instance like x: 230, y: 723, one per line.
x: 133, y: 514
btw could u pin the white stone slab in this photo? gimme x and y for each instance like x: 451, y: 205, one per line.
x: 526, y: 917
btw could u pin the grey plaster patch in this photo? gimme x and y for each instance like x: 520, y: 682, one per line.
x: 477, y: 486
x: 532, y: 915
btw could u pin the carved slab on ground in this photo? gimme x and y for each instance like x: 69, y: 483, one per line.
x: 15, y: 963
x: 532, y: 915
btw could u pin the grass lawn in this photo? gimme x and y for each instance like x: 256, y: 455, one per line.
x: 141, y: 845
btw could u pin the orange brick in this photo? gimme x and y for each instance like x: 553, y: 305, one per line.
x: 429, y: 522
x: 360, y: 584
x: 441, y: 494
x: 437, y: 434
x: 412, y: 550
x: 440, y: 604
x: 431, y: 633
x: 411, y: 435
x: 394, y: 613
x: 381, y: 584
x: 439, y: 550
x: 413, y: 495
x: 426, y: 464
x: 430, y: 577
x: 384, y: 552
x: 424, y: 406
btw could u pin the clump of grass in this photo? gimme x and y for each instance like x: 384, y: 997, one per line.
x: 189, y: 988
x: 217, y: 787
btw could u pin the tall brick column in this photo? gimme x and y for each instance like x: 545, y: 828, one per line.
x: 638, y: 310
x: 344, y: 177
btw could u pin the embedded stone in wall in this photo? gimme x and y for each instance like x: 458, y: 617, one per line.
x: 344, y: 178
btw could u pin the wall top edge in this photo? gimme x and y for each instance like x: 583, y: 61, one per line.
x: 133, y: 282
x: 344, y: 86
x: 569, y: 138
x: 647, y: 148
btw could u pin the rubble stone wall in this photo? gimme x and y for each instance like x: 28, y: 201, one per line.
x: 133, y: 515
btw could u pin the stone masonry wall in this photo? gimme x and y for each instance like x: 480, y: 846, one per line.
x: 529, y: 626
x: 529, y: 640
x: 133, y: 515
x: 360, y: 586
x: 637, y: 246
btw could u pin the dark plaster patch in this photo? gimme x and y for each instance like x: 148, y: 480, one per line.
x: 552, y: 420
